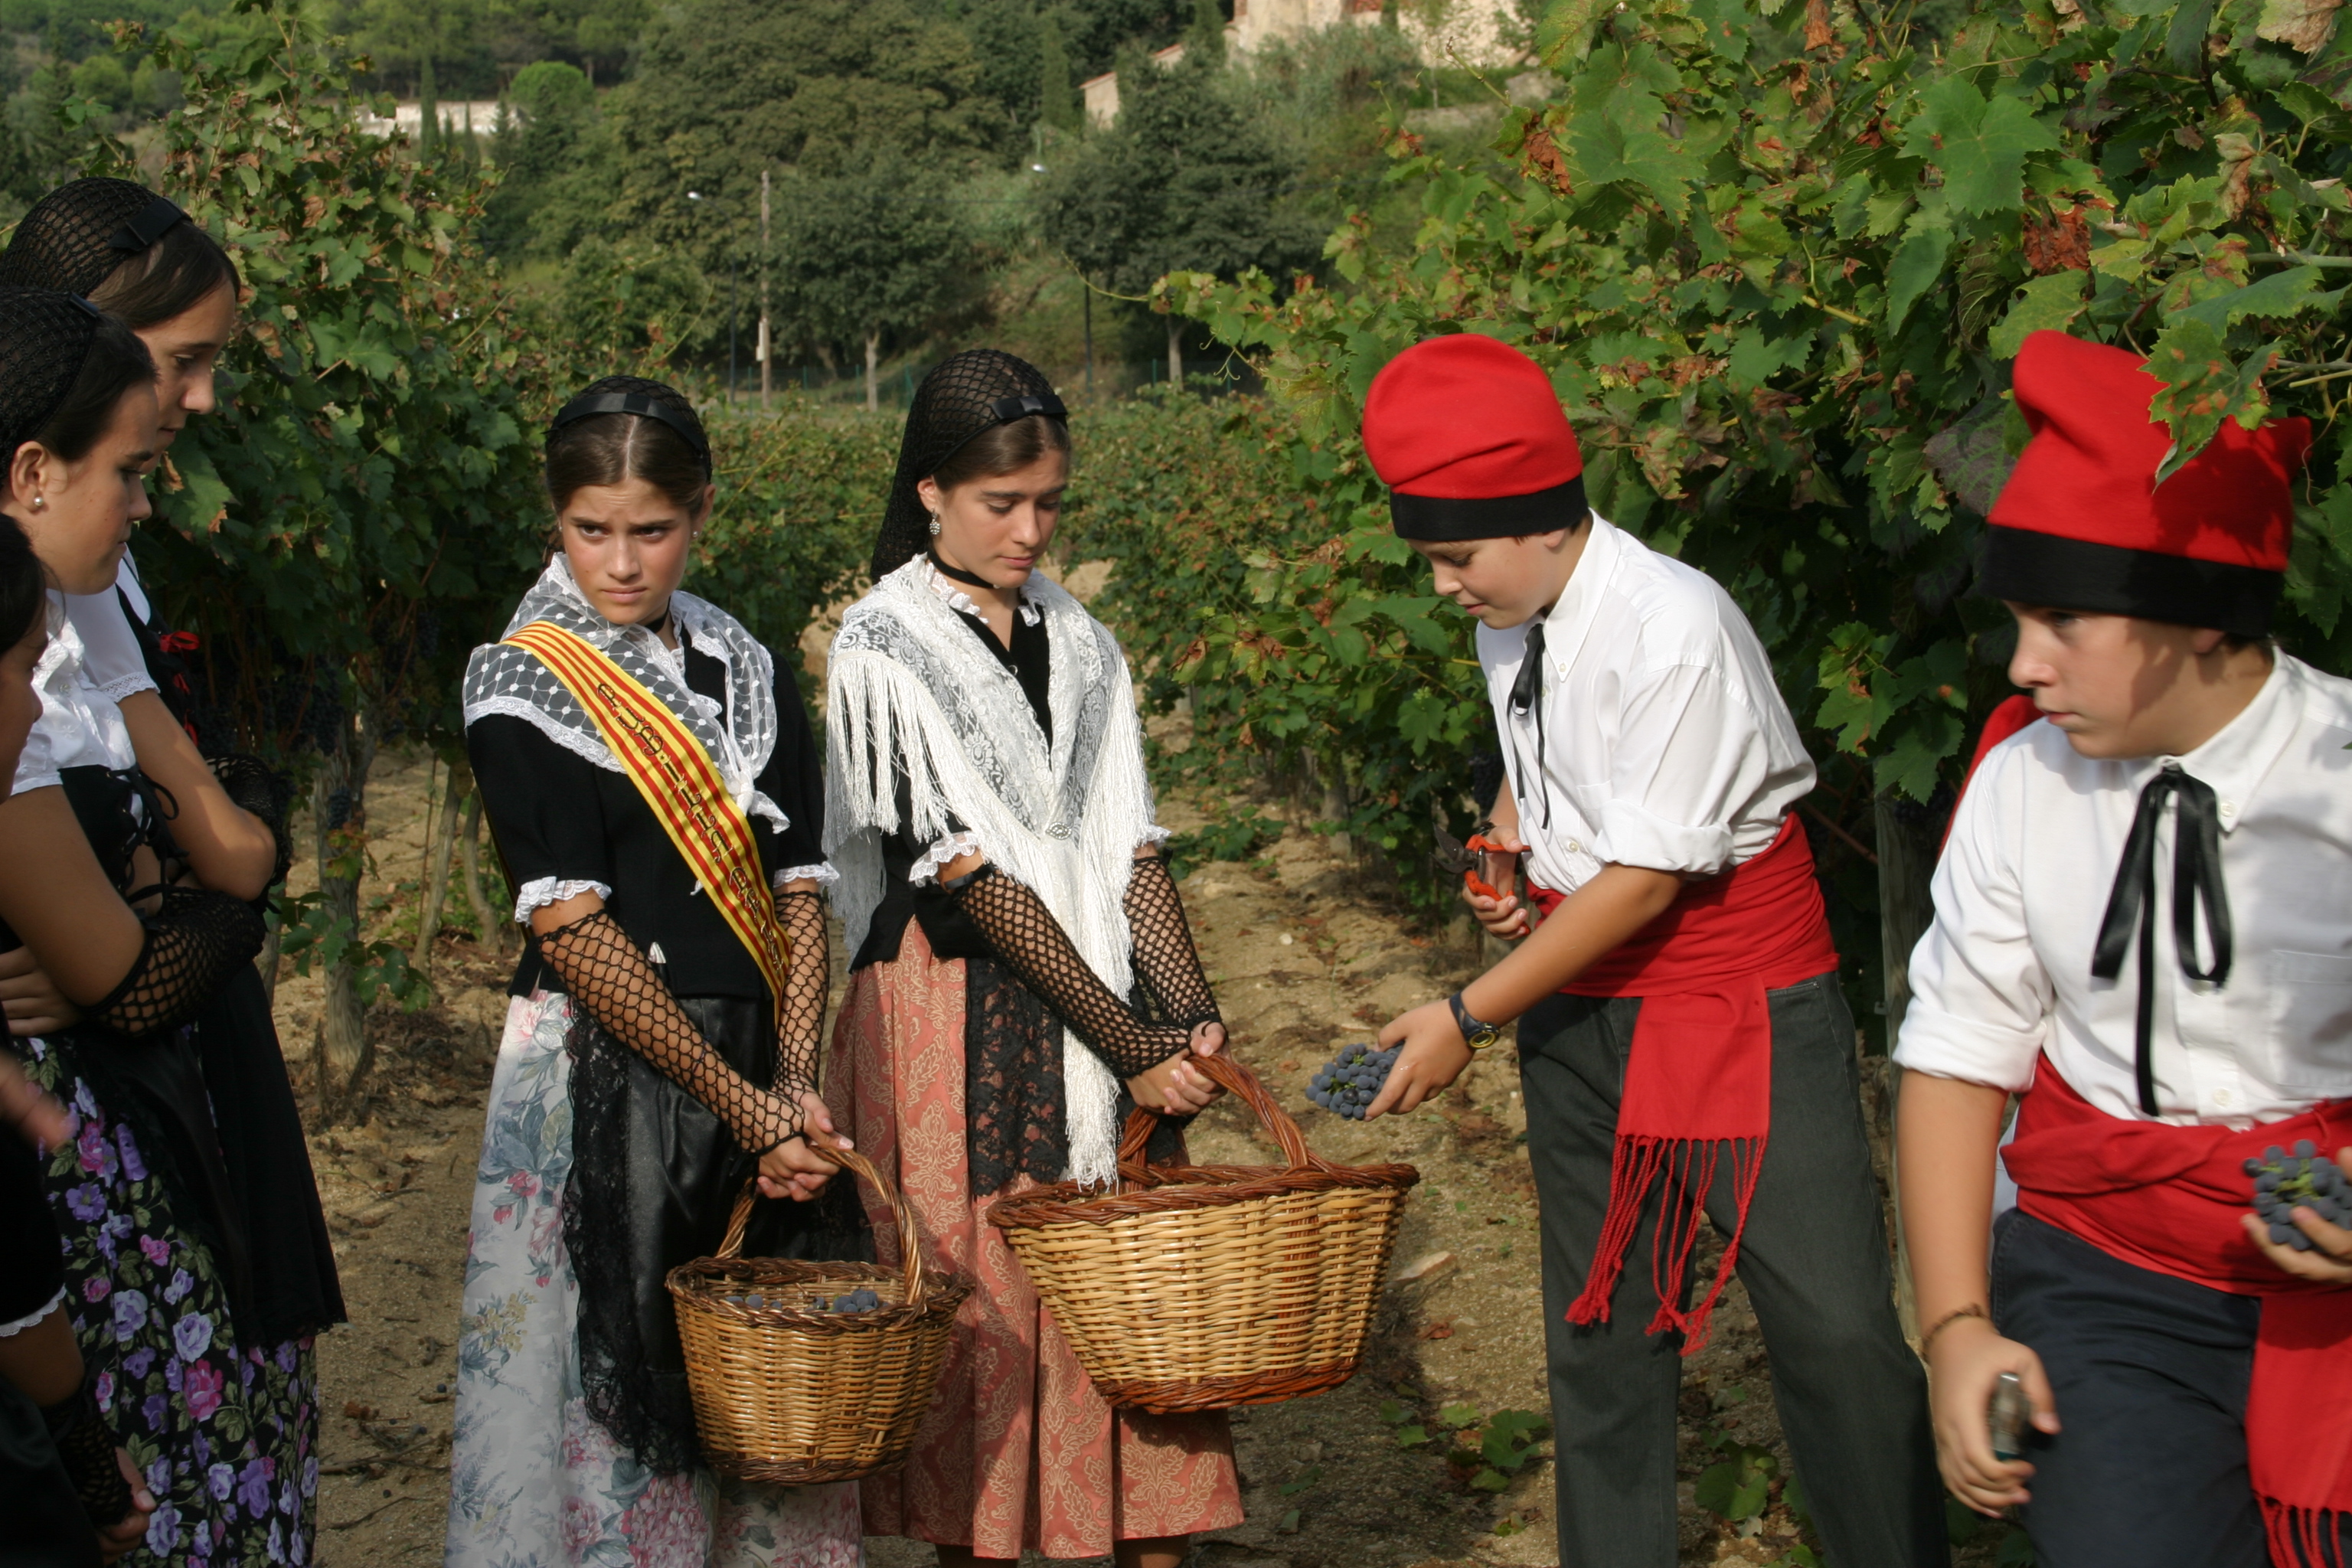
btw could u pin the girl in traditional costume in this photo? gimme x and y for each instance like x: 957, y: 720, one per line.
x: 1022, y: 976
x: 129, y: 881
x: 140, y: 257
x: 651, y: 781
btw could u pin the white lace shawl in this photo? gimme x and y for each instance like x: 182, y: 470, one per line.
x: 907, y: 685
x: 508, y: 680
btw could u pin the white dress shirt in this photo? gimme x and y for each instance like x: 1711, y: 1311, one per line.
x: 78, y: 725
x: 2004, y: 972
x: 1666, y: 743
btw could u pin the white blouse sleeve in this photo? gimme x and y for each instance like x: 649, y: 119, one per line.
x: 1689, y: 756
x: 1981, y: 1002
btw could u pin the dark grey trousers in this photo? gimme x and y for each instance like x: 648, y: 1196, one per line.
x: 2150, y: 1374
x: 1852, y: 1397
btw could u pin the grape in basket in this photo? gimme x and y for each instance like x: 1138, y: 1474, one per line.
x: 2304, y: 1178
x: 1352, y: 1079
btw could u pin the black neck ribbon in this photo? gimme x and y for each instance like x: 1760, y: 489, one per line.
x: 2196, y: 878
x: 1526, y: 693
x: 971, y: 579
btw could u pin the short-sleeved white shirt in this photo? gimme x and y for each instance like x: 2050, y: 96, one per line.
x: 2004, y: 972
x: 1666, y: 743
x: 78, y: 725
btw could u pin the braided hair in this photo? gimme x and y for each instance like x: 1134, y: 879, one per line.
x: 64, y: 366
x: 971, y: 392
x: 626, y: 428
x: 130, y: 251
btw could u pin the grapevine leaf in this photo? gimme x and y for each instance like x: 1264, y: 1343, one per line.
x: 1490, y: 1480
x: 1412, y: 1436
x: 1909, y: 766
x: 1565, y: 31
x: 1981, y: 145
x: 2287, y: 293
x: 1458, y: 1415
x: 1916, y: 268
x: 2049, y: 303
x: 2202, y: 386
x: 2301, y: 25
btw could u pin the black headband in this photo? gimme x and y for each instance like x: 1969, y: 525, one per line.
x: 1450, y: 520
x: 1008, y: 409
x: 149, y: 225
x: 587, y: 406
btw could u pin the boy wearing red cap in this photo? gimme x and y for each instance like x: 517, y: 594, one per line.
x: 2164, y: 1030
x: 1683, y: 1050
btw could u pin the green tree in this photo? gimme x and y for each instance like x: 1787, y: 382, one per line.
x: 725, y: 89
x: 1057, y: 99
x: 1183, y: 182
x: 868, y: 255
x: 550, y: 113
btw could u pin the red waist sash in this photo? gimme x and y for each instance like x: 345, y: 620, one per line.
x: 2170, y: 1199
x: 1698, y: 1075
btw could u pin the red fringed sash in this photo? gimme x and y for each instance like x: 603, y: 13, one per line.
x: 2169, y: 1198
x: 1698, y: 1079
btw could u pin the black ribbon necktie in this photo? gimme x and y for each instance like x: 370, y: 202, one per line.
x: 1526, y: 693
x: 2195, y: 876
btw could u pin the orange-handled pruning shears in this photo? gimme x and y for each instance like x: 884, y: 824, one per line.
x: 1481, y: 845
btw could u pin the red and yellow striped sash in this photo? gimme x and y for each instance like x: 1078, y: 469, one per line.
x: 682, y: 784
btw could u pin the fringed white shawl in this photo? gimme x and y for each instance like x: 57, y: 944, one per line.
x: 907, y: 685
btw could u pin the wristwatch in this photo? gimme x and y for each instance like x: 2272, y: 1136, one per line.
x: 1475, y: 1035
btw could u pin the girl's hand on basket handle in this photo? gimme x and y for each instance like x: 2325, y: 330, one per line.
x: 1208, y: 1038
x: 1175, y: 1087
x: 794, y: 1170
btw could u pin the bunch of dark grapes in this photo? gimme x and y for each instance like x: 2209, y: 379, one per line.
x: 2305, y: 1179
x: 1352, y: 1080
x: 858, y: 1301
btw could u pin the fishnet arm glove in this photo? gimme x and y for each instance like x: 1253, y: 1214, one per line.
x: 610, y: 975
x: 84, y: 1443
x: 251, y: 785
x: 800, y: 1023
x: 1164, y: 955
x: 195, y: 941
x: 1031, y: 942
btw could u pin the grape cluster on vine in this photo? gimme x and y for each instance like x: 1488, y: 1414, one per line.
x: 2284, y: 1181
x: 1352, y: 1079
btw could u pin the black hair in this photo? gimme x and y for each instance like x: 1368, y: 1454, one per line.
x: 170, y: 278
x: 23, y: 583
x: 116, y: 362
x: 1002, y: 449
x: 606, y: 448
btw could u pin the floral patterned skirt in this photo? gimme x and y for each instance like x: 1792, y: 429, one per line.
x: 1019, y: 1452
x: 533, y: 1482
x: 226, y: 1434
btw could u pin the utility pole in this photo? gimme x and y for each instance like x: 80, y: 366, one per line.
x: 764, y: 250
x: 1087, y: 291
x: 732, y: 267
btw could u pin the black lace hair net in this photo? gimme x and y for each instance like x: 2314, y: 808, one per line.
x: 79, y: 234
x: 956, y: 402
x: 44, y: 336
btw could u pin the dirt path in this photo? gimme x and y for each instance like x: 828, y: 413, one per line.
x: 1305, y: 956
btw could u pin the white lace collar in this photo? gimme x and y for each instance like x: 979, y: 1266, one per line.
x: 946, y: 588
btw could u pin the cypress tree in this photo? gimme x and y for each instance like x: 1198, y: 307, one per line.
x: 1057, y: 104
x: 1206, y: 36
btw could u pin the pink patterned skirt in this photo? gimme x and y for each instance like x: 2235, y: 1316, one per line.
x: 1019, y: 1452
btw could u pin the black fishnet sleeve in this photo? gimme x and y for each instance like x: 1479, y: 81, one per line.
x: 800, y: 1027
x: 611, y: 976
x: 195, y: 941
x: 85, y: 1445
x: 1165, y: 958
x: 1031, y: 942
x: 252, y: 787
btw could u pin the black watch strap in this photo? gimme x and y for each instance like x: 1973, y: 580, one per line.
x: 1476, y: 1035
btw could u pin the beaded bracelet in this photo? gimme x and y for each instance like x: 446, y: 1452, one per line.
x: 1947, y: 1321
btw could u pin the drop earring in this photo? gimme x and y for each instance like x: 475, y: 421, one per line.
x: 935, y: 522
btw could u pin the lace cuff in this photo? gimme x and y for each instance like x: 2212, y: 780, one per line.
x: 822, y: 874
x: 541, y: 892
x: 952, y: 848
x: 115, y: 690
x: 8, y: 1330
x: 1153, y: 836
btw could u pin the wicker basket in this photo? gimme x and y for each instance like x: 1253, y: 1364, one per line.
x: 1205, y: 1287
x: 787, y: 1394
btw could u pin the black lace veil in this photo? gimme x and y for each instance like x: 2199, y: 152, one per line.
x: 80, y: 232
x: 967, y: 393
x: 45, y: 338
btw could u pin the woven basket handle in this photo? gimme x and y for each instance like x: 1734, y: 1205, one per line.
x: 1224, y: 1071
x: 910, y: 1250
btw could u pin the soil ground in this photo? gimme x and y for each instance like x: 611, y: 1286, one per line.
x: 1307, y: 954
